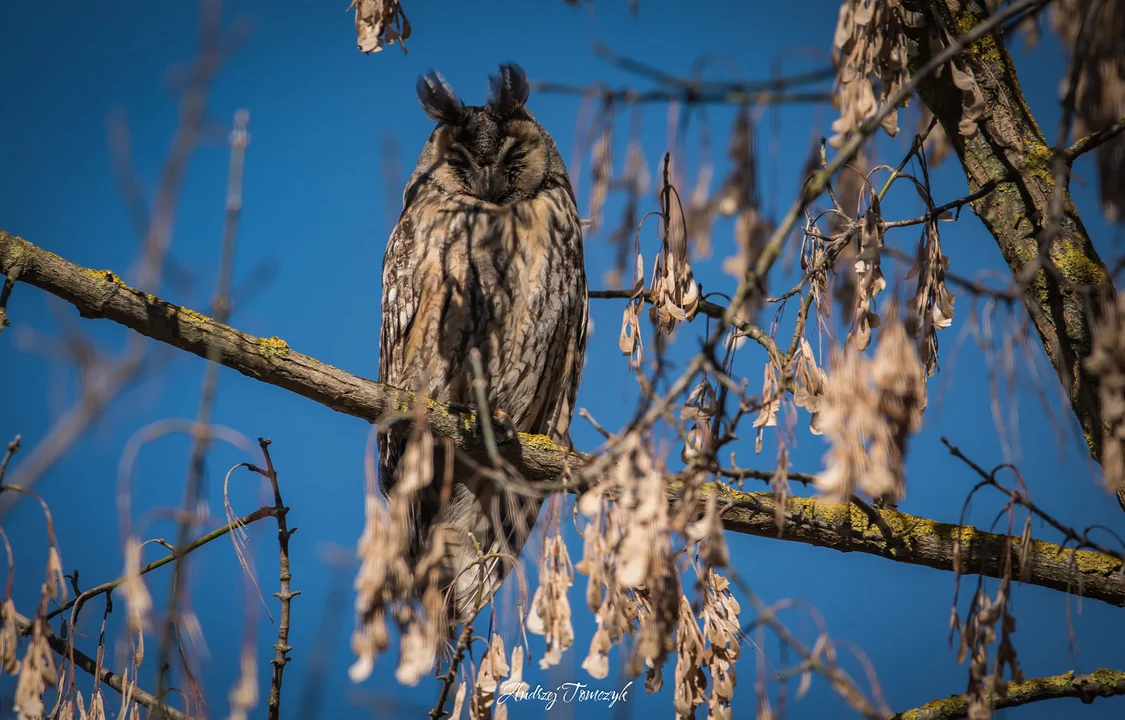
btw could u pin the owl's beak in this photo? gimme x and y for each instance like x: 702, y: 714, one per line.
x: 490, y: 183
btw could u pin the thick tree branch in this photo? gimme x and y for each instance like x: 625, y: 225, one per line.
x: 921, y: 541
x: 844, y: 527
x: 1062, y: 284
x: 1100, y: 683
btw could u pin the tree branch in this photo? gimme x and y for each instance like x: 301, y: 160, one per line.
x: 1100, y: 683
x: 1094, y: 140
x: 112, y: 679
x: 844, y: 527
x: 1010, y: 152
x: 260, y: 513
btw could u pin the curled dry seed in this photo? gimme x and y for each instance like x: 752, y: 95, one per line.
x: 379, y: 23
x: 493, y: 666
x: 690, y: 680
x: 721, y: 629
x: 770, y: 403
x: 550, y: 606
x: 869, y: 409
x: 36, y: 674
x: 244, y: 694
x: 870, y: 43
x: 9, y: 637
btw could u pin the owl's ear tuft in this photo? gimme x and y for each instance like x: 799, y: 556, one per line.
x: 438, y: 99
x: 508, y: 90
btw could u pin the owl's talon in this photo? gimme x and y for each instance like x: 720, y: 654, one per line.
x: 503, y: 427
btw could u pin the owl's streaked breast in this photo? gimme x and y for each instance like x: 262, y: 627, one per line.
x: 506, y: 279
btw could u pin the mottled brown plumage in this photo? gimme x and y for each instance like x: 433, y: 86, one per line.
x: 487, y: 254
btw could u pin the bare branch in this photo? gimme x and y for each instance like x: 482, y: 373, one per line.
x: 1094, y: 140
x: 1098, y: 684
x: 285, y: 594
x: 112, y: 679
x: 840, y: 526
x: 215, y: 534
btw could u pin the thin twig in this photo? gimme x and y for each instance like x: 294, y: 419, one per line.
x: 480, y: 391
x: 259, y: 514
x: 13, y: 448
x: 5, y: 292
x: 285, y: 595
x: 63, y: 649
x: 937, y: 212
x: 1094, y: 140
x: 220, y: 307
x: 1018, y: 498
x: 1062, y: 160
x: 109, y: 381
x: 629, y: 96
x: 451, y: 675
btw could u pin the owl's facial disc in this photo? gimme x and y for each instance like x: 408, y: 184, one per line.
x: 493, y: 159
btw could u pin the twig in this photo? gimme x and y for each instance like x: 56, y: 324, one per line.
x: 64, y: 650
x: 285, y: 595
x: 220, y: 306
x: 1008, y: 295
x: 1062, y: 160
x: 937, y: 212
x: 708, y: 308
x: 106, y: 384
x: 13, y: 448
x: 1098, y: 684
x: 1094, y: 140
x: 451, y: 675
x: 629, y: 96
x: 989, y: 479
x: 643, y: 69
x: 259, y: 514
x: 9, y: 283
x: 480, y: 391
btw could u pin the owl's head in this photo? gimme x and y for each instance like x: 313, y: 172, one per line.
x: 495, y: 152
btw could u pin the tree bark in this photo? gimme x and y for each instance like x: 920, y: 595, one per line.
x: 1009, y: 150
x: 1098, y: 684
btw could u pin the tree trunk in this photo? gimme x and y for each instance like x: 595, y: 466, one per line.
x: 1063, y: 295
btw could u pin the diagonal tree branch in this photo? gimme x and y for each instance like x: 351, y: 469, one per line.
x: 1100, y: 683
x: 112, y: 679
x: 840, y: 526
x: 1062, y: 281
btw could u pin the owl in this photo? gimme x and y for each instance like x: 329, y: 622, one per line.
x: 487, y: 254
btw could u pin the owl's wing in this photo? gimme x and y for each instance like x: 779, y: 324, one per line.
x: 399, y: 308
x: 573, y: 363
x: 400, y: 301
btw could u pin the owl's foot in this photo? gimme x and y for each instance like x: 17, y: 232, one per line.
x: 503, y: 427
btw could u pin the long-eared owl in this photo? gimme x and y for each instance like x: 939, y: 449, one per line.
x: 487, y: 254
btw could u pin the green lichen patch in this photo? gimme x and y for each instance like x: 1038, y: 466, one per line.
x: 538, y: 442
x: 1088, y: 562
x: 103, y: 276
x: 273, y: 347
x: 1076, y: 265
x: 985, y: 48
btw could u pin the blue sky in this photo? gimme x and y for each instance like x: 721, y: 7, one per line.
x: 316, y: 214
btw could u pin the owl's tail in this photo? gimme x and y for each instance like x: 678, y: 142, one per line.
x: 485, y: 531
x: 468, y: 528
